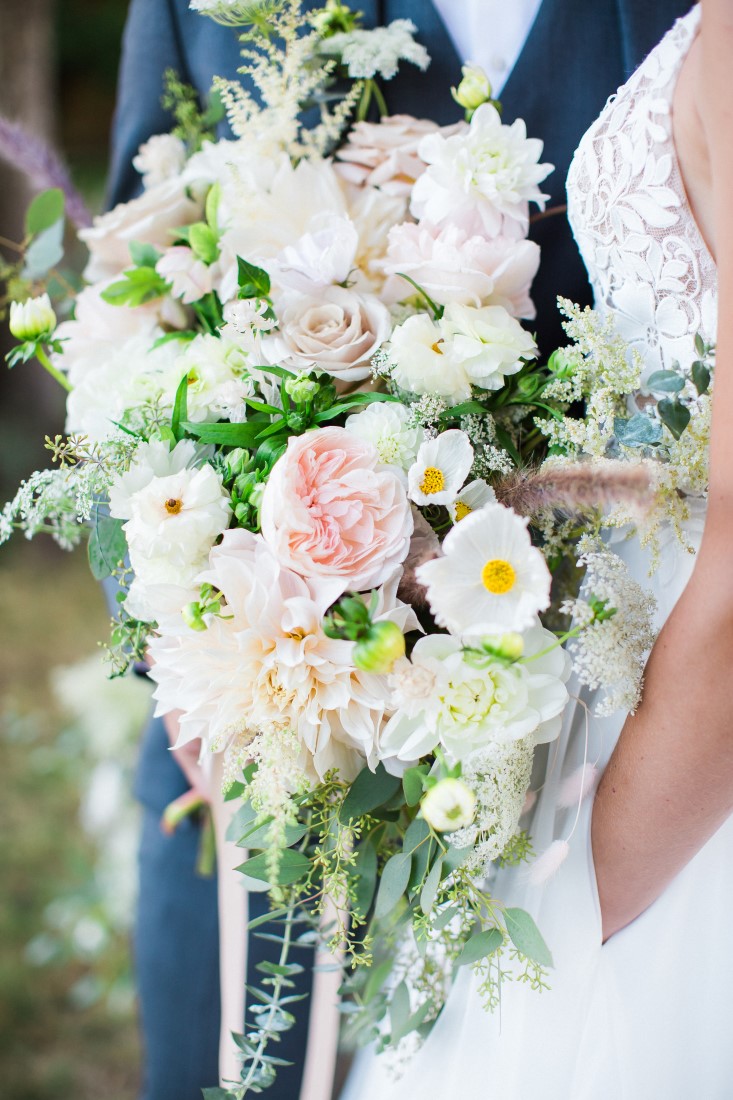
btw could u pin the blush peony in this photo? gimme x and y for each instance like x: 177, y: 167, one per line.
x: 330, y: 511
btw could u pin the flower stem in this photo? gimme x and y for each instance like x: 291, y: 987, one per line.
x: 46, y: 363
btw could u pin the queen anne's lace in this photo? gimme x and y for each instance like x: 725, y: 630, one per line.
x: 646, y: 258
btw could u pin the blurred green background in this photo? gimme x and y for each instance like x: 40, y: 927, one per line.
x: 67, y: 1020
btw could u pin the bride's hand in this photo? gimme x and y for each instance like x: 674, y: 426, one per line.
x: 669, y: 784
x: 187, y: 756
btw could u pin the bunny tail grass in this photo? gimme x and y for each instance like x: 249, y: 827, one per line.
x: 577, y: 786
x: 578, y: 487
x: 549, y: 863
x: 43, y: 166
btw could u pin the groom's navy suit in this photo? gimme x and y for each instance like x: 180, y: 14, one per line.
x: 577, y: 54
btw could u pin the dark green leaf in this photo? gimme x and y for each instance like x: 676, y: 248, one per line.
x: 365, y: 873
x: 107, y: 545
x: 369, y: 790
x: 699, y: 345
x: 700, y: 377
x: 417, y: 833
x: 526, y: 937
x: 393, y: 884
x: 639, y: 431
x: 254, y: 282
x: 293, y: 866
x: 180, y: 409
x: 466, y: 408
x: 225, y: 435
x: 217, y: 1094
x: 412, y: 783
x: 480, y: 946
x: 665, y: 381
x: 45, y: 251
x: 46, y: 210
x: 674, y: 414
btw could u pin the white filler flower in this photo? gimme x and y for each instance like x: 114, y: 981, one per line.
x: 441, y: 467
x: 490, y: 578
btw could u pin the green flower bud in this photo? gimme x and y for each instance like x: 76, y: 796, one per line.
x: 301, y: 388
x: 474, y: 88
x: 449, y: 805
x: 377, y: 652
x: 192, y: 616
x: 236, y: 461
x: 560, y: 365
x: 32, y: 319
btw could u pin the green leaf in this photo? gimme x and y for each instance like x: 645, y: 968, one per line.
x: 204, y: 242
x: 417, y: 833
x: 45, y: 211
x: 293, y: 866
x: 180, y: 409
x: 700, y: 377
x: 257, y: 835
x: 700, y: 345
x: 393, y: 884
x: 674, y: 414
x: 184, y: 335
x: 45, y: 251
x: 107, y: 545
x: 665, y: 381
x: 138, y: 285
x: 412, y: 783
x: 639, y: 431
x: 254, y: 282
x: 480, y: 946
x: 377, y: 977
x: 445, y: 917
x: 429, y: 891
x: 466, y: 408
x: 212, y: 205
x: 144, y: 254
x: 369, y: 790
x: 217, y: 1094
x: 526, y: 937
x: 365, y: 873
x: 399, y: 1012
x: 225, y: 435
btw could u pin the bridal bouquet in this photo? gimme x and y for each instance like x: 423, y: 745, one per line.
x: 299, y: 395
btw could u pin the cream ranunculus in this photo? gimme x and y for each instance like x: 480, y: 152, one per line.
x: 490, y: 578
x: 420, y: 362
x: 454, y: 267
x: 148, y: 219
x: 488, y: 343
x: 330, y: 511
x: 338, y: 331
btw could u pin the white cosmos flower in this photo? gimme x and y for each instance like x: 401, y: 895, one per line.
x: 490, y: 579
x: 441, y: 467
x: 482, y: 179
x: 154, y: 459
x: 442, y: 699
x: 388, y: 426
x: 421, y: 363
x: 472, y: 497
x: 488, y: 342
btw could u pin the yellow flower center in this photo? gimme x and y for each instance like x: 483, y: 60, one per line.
x: 173, y: 506
x: 432, y: 481
x: 436, y: 347
x: 462, y: 510
x: 498, y: 577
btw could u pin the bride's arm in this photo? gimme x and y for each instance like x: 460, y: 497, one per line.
x: 669, y: 784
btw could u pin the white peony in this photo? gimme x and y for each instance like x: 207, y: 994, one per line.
x: 160, y: 158
x: 270, y: 666
x: 421, y: 363
x: 388, y: 426
x: 490, y: 578
x: 440, y: 469
x: 488, y: 343
x: 441, y: 699
x: 483, y: 179
x: 323, y: 256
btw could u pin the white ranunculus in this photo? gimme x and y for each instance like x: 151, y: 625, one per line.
x: 421, y: 363
x: 440, y: 469
x: 388, y: 426
x: 323, y: 256
x: 147, y: 219
x: 337, y: 331
x: 483, y: 179
x: 160, y: 158
x: 490, y: 578
x: 451, y: 266
x: 449, y: 805
x: 441, y: 699
x: 487, y: 342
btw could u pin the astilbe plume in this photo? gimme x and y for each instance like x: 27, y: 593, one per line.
x: 43, y: 166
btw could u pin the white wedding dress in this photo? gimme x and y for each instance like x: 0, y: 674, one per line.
x: 648, y: 1015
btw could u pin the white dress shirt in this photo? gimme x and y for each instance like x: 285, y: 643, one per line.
x: 490, y: 33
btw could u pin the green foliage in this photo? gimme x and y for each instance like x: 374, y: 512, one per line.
x: 193, y: 124
x: 45, y: 211
x: 107, y: 545
x: 137, y: 286
x: 480, y: 946
x: 369, y: 791
x: 526, y: 937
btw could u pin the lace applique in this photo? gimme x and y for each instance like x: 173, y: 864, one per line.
x: 627, y: 206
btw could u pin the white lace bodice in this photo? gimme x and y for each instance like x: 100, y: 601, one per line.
x: 627, y: 206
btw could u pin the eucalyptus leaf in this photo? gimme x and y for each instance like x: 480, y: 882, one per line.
x: 429, y: 891
x: 399, y: 1012
x: 292, y: 867
x: 417, y: 833
x: 480, y: 946
x: 412, y: 783
x: 393, y: 884
x: 369, y: 790
x: 674, y: 415
x: 665, y: 381
x: 45, y: 251
x: 107, y: 545
x: 526, y: 937
x: 699, y: 345
x: 700, y: 377
x: 365, y: 874
x: 46, y: 210
x: 639, y: 431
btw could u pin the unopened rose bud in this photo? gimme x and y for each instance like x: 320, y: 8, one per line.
x: 474, y: 89
x: 32, y: 319
x: 383, y: 645
x: 449, y: 805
